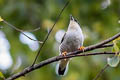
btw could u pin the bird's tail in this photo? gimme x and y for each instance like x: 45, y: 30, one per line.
x: 62, y: 67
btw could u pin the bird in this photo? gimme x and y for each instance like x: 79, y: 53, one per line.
x: 72, y: 40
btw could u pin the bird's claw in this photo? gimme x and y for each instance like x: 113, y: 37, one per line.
x: 81, y: 48
x: 64, y: 54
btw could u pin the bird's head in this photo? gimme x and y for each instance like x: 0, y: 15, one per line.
x: 73, y: 23
x: 73, y: 19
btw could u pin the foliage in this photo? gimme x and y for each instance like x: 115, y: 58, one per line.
x: 1, y: 19
x: 1, y: 76
x: 97, y: 24
x: 114, y: 61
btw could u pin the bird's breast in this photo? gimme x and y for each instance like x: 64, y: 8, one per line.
x: 72, y: 41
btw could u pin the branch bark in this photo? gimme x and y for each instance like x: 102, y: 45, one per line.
x: 51, y: 60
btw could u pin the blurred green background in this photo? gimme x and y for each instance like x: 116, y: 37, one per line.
x: 99, y: 20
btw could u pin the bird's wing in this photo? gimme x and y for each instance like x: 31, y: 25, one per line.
x: 63, y: 38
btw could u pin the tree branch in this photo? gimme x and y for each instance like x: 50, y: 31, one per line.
x: 106, y: 45
x: 101, y: 71
x: 22, y: 31
x: 102, y: 44
x: 51, y: 60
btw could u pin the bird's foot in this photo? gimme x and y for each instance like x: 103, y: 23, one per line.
x: 64, y: 54
x: 81, y: 48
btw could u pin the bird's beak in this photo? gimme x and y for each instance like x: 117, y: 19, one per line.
x: 71, y: 17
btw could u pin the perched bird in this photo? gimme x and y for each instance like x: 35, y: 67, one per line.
x: 71, y: 41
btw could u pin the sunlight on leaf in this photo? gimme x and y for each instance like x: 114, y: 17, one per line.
x: 118, y: 21
x: 1, y: 75
x: 116, y: 47
x: 1, y: 19
x: 118, y: 43
x: 114, y: 61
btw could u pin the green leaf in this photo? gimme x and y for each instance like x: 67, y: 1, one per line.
x: 114, y: 61
x: 118, y: 43
x: 1, y: 75
x: 116, y: 47
x: 1, y: 19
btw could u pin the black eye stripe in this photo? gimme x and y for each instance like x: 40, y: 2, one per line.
x: 75, y: 20
x: 72, y: 18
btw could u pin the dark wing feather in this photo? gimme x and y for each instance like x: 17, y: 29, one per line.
x: 63, y: 38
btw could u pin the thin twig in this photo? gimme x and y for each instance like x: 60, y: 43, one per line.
x: 106, y: 45
x: 36, y: 29
x: 21, y: 31
x: 101, y: 72
x: 51, y: 60
x: 50, y: 32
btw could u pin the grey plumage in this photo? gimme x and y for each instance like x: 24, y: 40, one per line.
x: 71, y: 41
